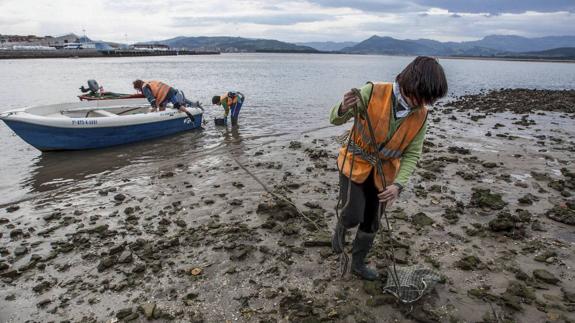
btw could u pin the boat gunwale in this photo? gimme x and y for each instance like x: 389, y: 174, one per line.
x: 22, y: 115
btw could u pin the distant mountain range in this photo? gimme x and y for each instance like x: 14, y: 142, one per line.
x: 328, y: 46
x: 560, y: 47
x: 488, y: 46
x: 234, y: 44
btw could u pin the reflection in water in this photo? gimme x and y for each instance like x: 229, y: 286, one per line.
x: 233, y: 139
x: 52, y: 170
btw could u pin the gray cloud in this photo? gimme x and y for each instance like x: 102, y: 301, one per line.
x: 371, y: 5
x: 461, y: 6
x: 300, y: 20
x: 270, y: 19
x: 500, y: 6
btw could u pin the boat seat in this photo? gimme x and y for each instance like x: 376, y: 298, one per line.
x: 103, y: 113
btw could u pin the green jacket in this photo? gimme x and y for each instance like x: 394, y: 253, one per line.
x: 411, y: 154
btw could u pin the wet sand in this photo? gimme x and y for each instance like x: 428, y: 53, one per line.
x: 199, y: 240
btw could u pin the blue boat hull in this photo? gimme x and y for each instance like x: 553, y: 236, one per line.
x: 46, y: 138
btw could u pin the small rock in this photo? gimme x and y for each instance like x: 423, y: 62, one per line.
x: 20, y: 251
x: 469, y: 263
x: 458, y: 150
x: 544, y: 256
x: 485, y: 199
x: 12, y: 208
x: 374, y: 288
x: 139, y: 268
x: 236, y: 202
x: 421, y: 219
x: 119, y: 197
x: 562, y: 214
x: 106, y: 263
x: 117, y: 249
x: 125, y: 257
x: 44, y: 302
x: 545, y: 276
x: 123, y: 313
x: 131, y: 317
x: 148, y: 309
x: 16, y: 233
x: 41, y: 287
x: 294, y: 145
x: 569, y: 296
x: 489, y: 164
x: 52, y: 216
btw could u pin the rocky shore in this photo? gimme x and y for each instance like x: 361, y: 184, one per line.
x: 490, y: 208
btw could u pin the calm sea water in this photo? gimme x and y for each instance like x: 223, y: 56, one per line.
x: 286, y: 95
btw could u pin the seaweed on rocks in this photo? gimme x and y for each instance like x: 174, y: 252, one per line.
x: 562, y: 213
x: 469, y: 263
x: 508, y: 224
x: 451, y: 214
x: 483, y: 198
x: 519, y: 101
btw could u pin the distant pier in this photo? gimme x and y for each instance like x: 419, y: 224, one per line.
x: 81, y: 53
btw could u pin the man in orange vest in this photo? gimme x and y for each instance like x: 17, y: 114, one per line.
x: 398, y: 116
x: 160, y: 94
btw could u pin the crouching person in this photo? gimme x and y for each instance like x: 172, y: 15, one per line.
x: 398, y: 116
x: 231, y: 101
x: 159, y: 94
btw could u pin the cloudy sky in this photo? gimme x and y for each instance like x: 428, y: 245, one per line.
x: 304, y: 20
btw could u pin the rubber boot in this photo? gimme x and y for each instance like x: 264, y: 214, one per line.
x: 338, y: 239
x: 361, y: 246
x: 234, y: 121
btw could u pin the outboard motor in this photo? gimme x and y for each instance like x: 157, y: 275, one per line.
x: 93, y: 87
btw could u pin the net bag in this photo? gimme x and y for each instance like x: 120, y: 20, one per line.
x: 411, y: 283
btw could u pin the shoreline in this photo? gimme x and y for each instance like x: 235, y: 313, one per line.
x: 86, y: 53
x: 25, y: 54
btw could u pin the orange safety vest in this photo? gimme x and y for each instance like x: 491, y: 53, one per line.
x: 159, y: 90
x: 379, y: 111
x: 228, y: 101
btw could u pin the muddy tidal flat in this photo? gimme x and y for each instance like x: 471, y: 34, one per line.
x: 490, y: 208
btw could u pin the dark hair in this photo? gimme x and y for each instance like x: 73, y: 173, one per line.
x: 138, y: 84
x: 423, y: 80
x: 216, y: 99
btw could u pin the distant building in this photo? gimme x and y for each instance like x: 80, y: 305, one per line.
x: 69, y: 41
x: 62, y: 41
x: 18, y: 39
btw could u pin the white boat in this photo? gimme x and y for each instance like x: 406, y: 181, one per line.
x: 96, y: 124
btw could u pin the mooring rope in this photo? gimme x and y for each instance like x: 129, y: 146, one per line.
x: 269, y: 191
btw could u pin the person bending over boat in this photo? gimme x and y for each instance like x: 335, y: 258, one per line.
x: 398, y: 115
x: 160, y: 94
x: 230, y: 101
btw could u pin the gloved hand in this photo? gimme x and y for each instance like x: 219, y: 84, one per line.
x: 360, y: 107
x: 352, y: 100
